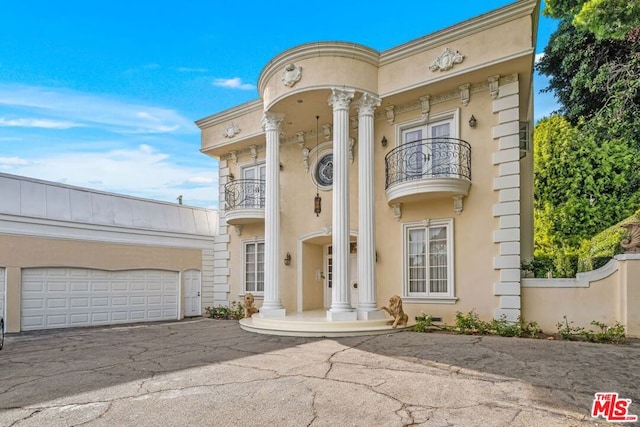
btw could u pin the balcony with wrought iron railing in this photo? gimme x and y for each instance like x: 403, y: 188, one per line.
x: 434, y: 166
x: 244, y: 199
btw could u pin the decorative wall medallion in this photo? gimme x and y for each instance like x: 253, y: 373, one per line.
x: 231, y: 130
x: 446, y: 60
x: 291, y: 75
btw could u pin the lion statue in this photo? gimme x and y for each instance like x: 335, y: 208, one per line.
x: 249, y: 308
x: 395, y: 310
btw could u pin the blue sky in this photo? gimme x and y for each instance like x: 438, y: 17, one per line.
x: 104, y: 95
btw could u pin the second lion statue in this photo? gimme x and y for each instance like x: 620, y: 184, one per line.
x: 395, y: 310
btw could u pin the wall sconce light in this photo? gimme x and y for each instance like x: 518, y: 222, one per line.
x: 287, y: 259
x: 231, y: 177
x: 384, y: 141
x: 472, y: 122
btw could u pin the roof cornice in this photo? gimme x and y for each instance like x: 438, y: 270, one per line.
x: 313, y: 50
x: 229, y: 114
x: 475, y: 25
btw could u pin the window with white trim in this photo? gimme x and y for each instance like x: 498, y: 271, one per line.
x: 428, y: 259
x: 252, y: 189
x: 253, y: 262
x: 429, y: 148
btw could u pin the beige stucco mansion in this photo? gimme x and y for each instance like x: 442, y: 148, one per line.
x: 356, y: 176
x: 419, y: 156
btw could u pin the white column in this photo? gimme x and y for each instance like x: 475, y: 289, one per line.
x: 340, y: 303
x: 272, y: 306
x: 367, y: 308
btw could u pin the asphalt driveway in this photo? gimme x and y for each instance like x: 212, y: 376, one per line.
x: 209, y: 372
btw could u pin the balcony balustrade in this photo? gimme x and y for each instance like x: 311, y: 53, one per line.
x: 244, y: 199
x: 428, y: 167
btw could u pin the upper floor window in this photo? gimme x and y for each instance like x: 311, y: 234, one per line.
x: 429, y: 150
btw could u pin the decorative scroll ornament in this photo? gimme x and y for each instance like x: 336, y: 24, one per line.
x: 631, y: 241
x: 305, y: 158
x: 326, y: 131
x: 494, y: 86
x: 231, y: 130
x: 446, y: 60
x: 464, y: 93
x: 390, y: 112
x: 291, y: 75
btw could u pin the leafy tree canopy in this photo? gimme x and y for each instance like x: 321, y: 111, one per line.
x: 606, y: 19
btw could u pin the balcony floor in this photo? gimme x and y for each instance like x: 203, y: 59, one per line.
x: 314, y: 323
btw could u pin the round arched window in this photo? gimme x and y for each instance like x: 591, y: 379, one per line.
x: 324, y: 171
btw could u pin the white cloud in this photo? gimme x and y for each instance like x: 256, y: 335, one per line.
x: 200, y: 180
x: 92, y: 111
x: 192, y: 70
x: 538, y: 57
x: 38, y: 123
x: 141, y: 172
x: 9, y: 162
x: 234, y: 83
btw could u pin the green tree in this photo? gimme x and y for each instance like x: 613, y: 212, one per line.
x: 586, y: 161
x: 582, y: 185
x: 606, y: 19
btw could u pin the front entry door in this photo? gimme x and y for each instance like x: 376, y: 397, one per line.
x: 192, y: 291
x: 353, y: 280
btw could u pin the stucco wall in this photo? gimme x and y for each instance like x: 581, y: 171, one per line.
x: 610, y: 294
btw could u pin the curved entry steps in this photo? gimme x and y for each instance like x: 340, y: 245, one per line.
x: 315, y: 324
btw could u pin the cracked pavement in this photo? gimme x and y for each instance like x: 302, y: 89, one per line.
x: 210, y: 372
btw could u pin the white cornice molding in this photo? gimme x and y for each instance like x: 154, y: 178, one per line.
x: 218, y: 145
x: 314, y: 50
x: 51, y: 229
x: 418, y: 103
x: 472, y: 26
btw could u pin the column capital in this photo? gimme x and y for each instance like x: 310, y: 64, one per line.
x: 367, y: 103
x: 341, y: 98
x: 272, y: 121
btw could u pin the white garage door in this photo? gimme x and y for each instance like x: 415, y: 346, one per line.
x: 69, y: 297
x: 3, y: 288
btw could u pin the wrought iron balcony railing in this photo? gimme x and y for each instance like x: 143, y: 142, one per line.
x: 428, y: 158
x: 244, y: 194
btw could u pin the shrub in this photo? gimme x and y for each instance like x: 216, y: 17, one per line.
x: 568, y: 332
x: 424, y: 322
x: 470, y: 323
x: 606, y: 334
x: 232, y: 312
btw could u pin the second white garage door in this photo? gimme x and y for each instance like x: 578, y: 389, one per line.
x: 69, y: 297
